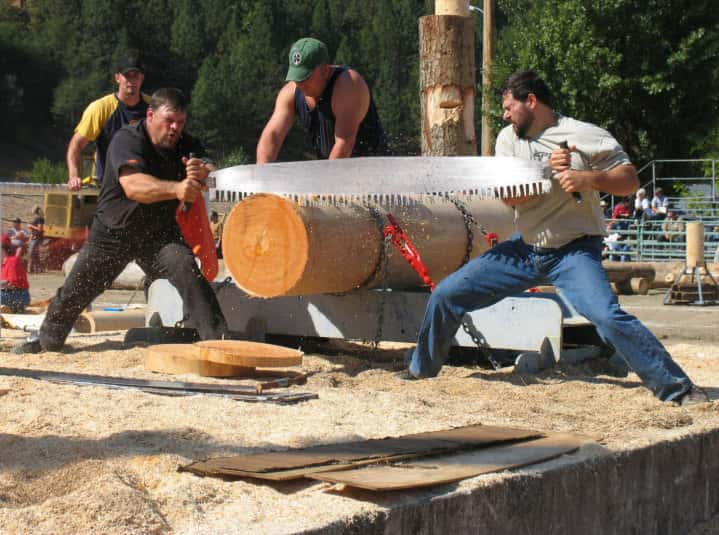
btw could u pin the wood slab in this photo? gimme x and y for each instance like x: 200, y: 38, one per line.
x: 187, y: 358
x: 248, y: 354
x: 298, y: 463
x: 449, y: 468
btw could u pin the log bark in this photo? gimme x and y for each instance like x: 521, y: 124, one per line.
x: 447, y: 85
x: 273, y: 246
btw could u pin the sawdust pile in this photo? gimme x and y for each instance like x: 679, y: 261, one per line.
x: 93, y: 460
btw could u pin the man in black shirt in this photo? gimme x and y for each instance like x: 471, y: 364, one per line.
x: 148, y: 173
x: 333, y: 104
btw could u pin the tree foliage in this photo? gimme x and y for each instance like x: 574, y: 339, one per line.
x: 645, y: 69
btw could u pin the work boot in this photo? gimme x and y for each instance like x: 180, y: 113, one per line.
x: 693, y: 396
x: 30, y: 345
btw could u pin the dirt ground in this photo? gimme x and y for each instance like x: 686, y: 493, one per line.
x: 94, y: 460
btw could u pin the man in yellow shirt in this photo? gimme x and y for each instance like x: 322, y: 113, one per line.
x: 105, y: 116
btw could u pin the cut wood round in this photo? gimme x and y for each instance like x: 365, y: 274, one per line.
x: 695, y: 244
x: 187, y: 358
x: 274, y: 246
x: 252, y: 354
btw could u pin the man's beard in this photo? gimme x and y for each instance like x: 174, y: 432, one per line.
x: 521, y: 127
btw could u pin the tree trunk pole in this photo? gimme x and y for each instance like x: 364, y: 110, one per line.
x: 487, y: 54
x: 447, y: 80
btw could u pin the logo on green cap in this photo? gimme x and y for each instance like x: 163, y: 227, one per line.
x: 305, y: 56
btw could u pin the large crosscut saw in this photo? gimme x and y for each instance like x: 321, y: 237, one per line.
x: 386, y: 179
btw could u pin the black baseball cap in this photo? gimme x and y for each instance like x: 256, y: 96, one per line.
x: 128, y: 63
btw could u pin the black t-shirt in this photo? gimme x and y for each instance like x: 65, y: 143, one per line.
x: 131, y: 147
x: 36, y: 222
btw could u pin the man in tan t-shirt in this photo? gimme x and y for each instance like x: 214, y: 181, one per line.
x: 560, y: 243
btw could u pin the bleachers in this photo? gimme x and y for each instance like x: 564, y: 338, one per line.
x: 653, y: 241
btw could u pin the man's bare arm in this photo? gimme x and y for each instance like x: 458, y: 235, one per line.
x: 147, y: 189
x: 619, y: 180
x: 350, y: 102
x: 74, y: 161
x: 275, y: 131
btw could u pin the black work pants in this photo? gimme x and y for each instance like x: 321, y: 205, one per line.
x: 102, y: 259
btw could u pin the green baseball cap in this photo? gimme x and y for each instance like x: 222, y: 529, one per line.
x: 306, y: 55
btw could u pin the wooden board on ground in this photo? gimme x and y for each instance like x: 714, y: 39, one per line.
x: 186, y: 358
x: 294, y: 464
x: 449, y: 468
x: 248, y: 354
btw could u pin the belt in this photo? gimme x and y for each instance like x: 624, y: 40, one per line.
x: 548, y: 250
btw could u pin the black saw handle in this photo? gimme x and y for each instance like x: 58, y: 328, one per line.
x: 577, y: 196
x: 187, y: 205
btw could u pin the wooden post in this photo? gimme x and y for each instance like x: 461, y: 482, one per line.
x: 459, y: 8
x: 447, y: 80
x: 695, y: 244
x: 487, y: 54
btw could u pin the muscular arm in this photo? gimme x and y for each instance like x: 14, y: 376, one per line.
x: 275, y: 131
x: 74, y: 161
x: 619, y: 180
x: 147, y: 189
x: 350, y: 102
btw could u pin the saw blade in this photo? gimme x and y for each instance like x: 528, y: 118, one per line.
x: 385, y: 179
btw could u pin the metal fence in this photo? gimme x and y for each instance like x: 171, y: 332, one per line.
x: 656, y: 240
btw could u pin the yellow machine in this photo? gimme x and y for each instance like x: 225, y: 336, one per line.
x: 68, y: 214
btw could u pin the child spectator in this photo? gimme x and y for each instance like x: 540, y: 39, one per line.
x: 18, y: 235
x: 14, y: 287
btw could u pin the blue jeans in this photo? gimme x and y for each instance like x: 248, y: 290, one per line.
x: 16, y: 299
x: 576, y: 270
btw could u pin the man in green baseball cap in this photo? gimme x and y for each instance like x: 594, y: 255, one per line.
x: 333, y: 104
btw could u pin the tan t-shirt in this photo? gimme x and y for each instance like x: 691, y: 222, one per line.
x: 555, y: 219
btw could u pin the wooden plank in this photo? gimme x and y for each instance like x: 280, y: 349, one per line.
x: 449, y: 468
x: 293, y: 464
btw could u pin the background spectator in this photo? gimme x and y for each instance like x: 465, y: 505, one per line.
x: 37, y: 233
x: 660, y: 203
x: 642, y: 208
x: 672, y: 228
x: 18, y: 235
x: 14, y: 287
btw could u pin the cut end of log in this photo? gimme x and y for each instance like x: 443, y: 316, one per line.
x: 186, y: 358
x: 250, y: 354
x: 265, y: 245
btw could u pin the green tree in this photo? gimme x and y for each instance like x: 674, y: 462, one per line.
x: 651, y: 87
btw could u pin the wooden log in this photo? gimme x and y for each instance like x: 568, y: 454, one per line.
x: 103, y: 320
x: 695, y: 244
x: 639, y: 285
x: 273, y: 246
x: 186, y: 358
x: 618, y: 271
x: 447, y: 85
x: 459, y: 8
x: 248, y: 354
x: 631, y: 286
